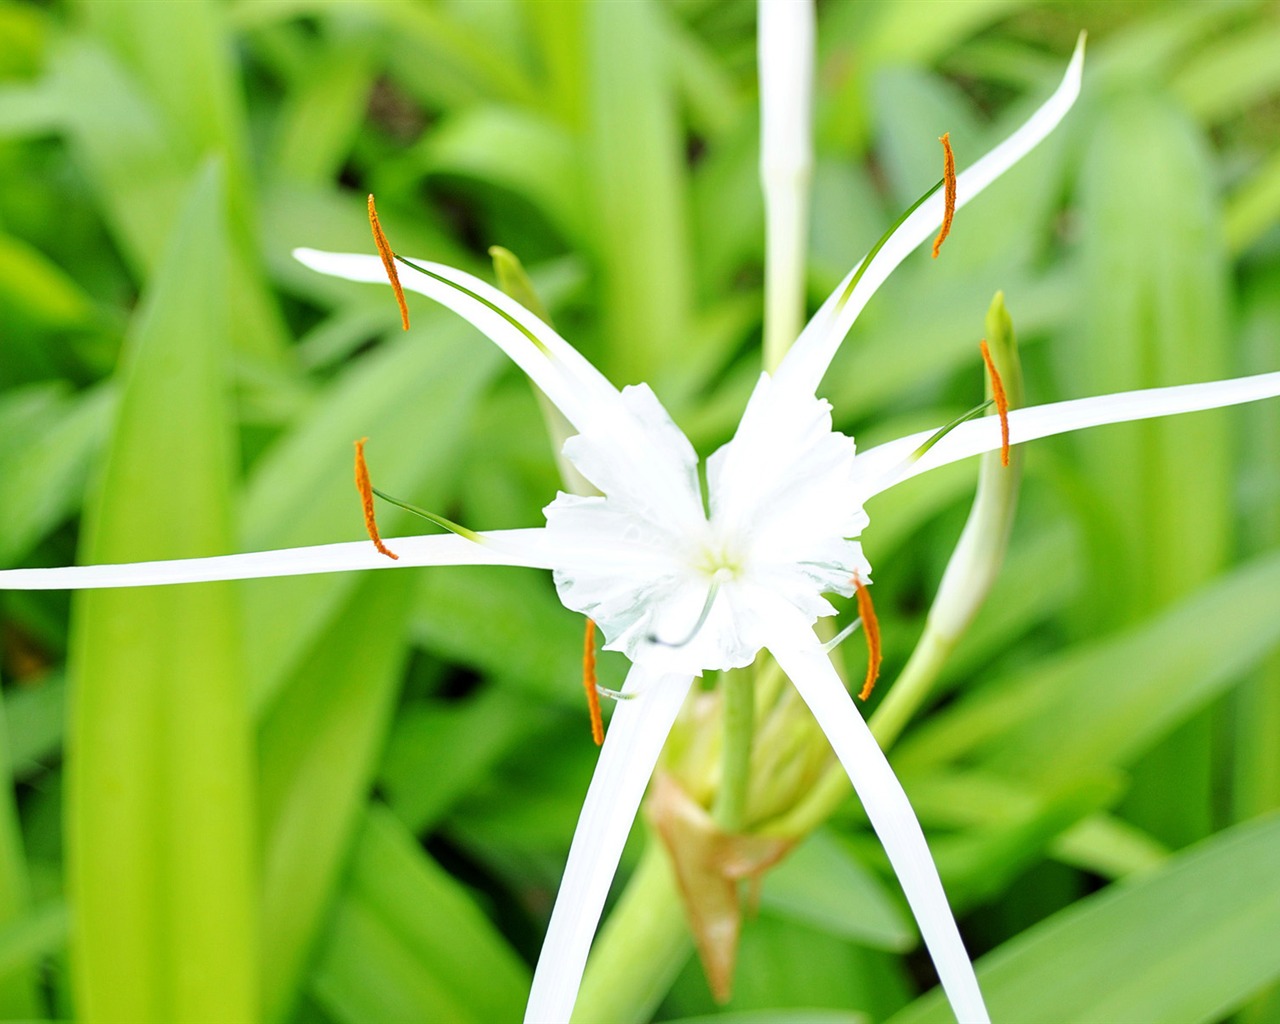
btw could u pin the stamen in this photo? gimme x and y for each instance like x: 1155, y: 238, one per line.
x: 431, y: 517
x: 1000, y: 398
x: 867, y: 260
x: 366, y: 500
x: 537, y: 342
x: 867, y: 612
x: 589, y: 683
x: 972, y: 414
x: 697, y: 626
x: 388, y: 262
x: 949, y: 180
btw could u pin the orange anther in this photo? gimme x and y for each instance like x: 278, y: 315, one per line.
x: 366, y: 500
x: 589, y: 683
x: 870, y: 626
x: 388, y: 261
x: 1001, y: 400
x: 949, y: 192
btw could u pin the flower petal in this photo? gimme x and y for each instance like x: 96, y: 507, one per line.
x: 813, y: 351
x: 531, y: 548
x: 576, y: 387
x: 636, y: 734
x: 799, y: 655
x: 888, y: 464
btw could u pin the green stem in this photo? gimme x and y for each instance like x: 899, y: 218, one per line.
x: 641, y: 949
x: 911, y: 688
x: 739, y: 733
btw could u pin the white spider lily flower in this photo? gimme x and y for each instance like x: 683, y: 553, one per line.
x: 684, y: 588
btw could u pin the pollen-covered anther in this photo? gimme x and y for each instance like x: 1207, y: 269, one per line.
x: 949, y: 192
x: 1001, y: 398
x: 871, y: 625
x: 589, y: 683
x: 365, y: 487
x: 388, y: 261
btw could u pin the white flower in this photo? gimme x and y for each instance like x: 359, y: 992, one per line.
x: 681, y: 590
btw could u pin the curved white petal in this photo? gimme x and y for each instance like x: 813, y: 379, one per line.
x: 532, y: 548
x: 888, y: 464
x: 565, y: 376
x: 812, y: 353
x: 799, y: 655
x: 636, y: 734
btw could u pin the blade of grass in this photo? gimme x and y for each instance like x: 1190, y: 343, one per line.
x: 1108, y: 702
x: 17, y: 979
x: 407, y: 942
x: 318, y: 750
x: 159, y: 808
x: 1183, y: 945
x: 636, y: 188
x: 1156, y: 274
x: 139, y: 163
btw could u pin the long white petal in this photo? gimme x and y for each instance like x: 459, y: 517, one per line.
x: 812, y: 353
x: 786, y: 32
x: 503, y: 547
x: 636, y: 735
x: 888, y: 464
x: 799, y: 655
x: 576, y: 387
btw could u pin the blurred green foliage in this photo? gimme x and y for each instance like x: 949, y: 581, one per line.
x: 335, y: 800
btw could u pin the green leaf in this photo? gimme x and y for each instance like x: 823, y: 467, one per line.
x: 823, y: 885
x: 1254, y: 208
x: 1156, y: 278
x: 39, y: 933
x: 479, y: 142
x: 318, y: 748
x: 138, y: 148
x: 160, y: 806
x: 1185, y: 944
x: 518, y: 631
x: 636, y: 189
x: 411, y: 399
x: 18, y: 995
x: 49, y: 446
x: 784, y: 967
x: 35, y: 712
x: 1232, y: 72
x: 779, y: 1016
x: 1106, y: 703
x: 407, y: 942
x: 323, y: 112
x: 440, y: 750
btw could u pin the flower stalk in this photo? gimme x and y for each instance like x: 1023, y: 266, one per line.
x: 975, y: 563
